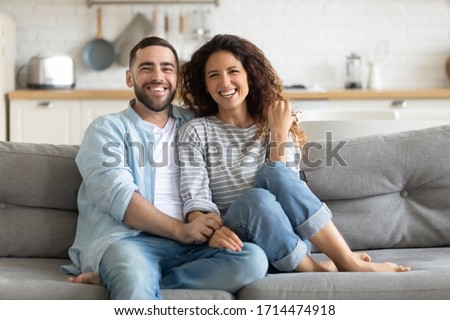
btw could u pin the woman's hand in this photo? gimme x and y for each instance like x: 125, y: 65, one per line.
x: 280, y: 120
x: 224, y: 238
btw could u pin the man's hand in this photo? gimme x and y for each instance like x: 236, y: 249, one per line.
x: 201, y: 227
x: 224, y: 238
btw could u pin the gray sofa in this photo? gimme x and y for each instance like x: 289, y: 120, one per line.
x: 390, y: 195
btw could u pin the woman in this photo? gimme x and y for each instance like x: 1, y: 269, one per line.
x: 240, y: 160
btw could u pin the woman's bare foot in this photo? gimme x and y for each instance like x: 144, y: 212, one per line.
x: 87, y: 277
x: 359, y: 265
x: 331, y: 267
x: 308, y: 264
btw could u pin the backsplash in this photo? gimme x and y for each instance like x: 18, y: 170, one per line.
x: 306, y: 40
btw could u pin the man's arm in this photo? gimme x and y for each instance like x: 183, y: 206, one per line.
x: 142, y: 215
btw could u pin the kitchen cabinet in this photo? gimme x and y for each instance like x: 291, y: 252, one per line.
x: 7, y: 66
x: 56, y: 121
x: 91, y: 109
x: 45, y: 121
x: 431, y: 104
x: 347, y: 114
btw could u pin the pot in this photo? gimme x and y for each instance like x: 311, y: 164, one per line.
x: 98, y: 54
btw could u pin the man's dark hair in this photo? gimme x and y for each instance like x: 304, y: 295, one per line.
x: 151, y: 41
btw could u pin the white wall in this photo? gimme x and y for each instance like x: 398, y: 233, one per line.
x: 306, y: 40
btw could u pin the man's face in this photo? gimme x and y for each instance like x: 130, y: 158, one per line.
x: 154, y: 78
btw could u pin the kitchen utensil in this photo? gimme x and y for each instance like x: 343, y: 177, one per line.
x: 375, y: 82
x: 139, y: 28
x: 98, y: 54
x: 354, y: 72
x: 51, y: 71
x: 201, y: 30
x: 375, y: 78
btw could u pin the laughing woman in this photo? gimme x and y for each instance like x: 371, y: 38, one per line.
x: 240, y: 160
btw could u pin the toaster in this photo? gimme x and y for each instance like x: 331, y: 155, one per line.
x: 51, y: 71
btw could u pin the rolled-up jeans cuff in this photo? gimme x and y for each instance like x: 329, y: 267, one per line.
x: 289, y: 262
x: 316, y: 222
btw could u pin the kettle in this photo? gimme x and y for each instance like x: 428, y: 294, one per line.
x: 354, y: 72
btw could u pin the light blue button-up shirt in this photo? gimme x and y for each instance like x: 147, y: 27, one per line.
x: 114, y: 162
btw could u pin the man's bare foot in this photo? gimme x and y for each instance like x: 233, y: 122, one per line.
x: 87, y: 277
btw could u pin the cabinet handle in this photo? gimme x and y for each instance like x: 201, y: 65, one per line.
x: 399, y: 104
x: 46, y: 104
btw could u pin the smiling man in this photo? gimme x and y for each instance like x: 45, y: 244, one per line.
x: 131, y: 230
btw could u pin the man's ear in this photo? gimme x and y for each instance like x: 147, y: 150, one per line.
x: 129, y: 79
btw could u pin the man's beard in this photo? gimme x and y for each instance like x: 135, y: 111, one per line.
x: 151, y: 105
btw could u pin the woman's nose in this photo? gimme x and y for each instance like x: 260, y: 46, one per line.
x: 224, y: 80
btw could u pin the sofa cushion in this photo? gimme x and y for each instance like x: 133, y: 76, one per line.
x: 429, y: 280
x: 31, y: 278
x: 386, y: 191
x: 39, y: 175
x: 38, y: 199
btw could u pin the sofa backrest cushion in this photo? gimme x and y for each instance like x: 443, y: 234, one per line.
x: 38, y: 199
x: 386, y: 191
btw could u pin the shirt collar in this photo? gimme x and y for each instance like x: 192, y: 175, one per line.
x: 179, y: 114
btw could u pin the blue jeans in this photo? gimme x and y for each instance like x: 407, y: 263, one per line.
x: 138, y: 267
x: 280, y: 214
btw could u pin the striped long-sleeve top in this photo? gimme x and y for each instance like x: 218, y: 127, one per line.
x: 218, y: 162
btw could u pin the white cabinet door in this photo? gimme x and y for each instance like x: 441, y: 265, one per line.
x: 45, y: 121
x: 92, y: 109
x: 7, y: 65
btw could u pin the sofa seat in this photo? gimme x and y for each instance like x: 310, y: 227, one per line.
x: 429, y: 279
x: 35, y: 278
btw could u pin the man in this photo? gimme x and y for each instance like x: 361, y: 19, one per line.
x: 130, y: 227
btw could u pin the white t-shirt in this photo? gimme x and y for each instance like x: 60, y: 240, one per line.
x: 167, y: 178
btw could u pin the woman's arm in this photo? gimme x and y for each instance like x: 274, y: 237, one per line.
x: 280, y: 120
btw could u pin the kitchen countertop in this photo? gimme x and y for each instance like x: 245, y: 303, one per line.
x: 106, y: 94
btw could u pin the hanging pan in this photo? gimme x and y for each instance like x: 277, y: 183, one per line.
x: 98, y: 54
x: 139, y: 28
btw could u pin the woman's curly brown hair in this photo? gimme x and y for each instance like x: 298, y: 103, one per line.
x: 265, y: 86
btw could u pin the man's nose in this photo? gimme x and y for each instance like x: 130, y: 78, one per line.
x: 157, y: 74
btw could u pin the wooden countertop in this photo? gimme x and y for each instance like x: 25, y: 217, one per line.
x: 71, y: 94
x: 80, y: 94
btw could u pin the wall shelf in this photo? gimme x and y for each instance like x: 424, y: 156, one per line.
x: 103, y: 2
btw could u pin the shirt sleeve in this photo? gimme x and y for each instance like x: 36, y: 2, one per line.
x: 103, y: 166
x: 194, y: 180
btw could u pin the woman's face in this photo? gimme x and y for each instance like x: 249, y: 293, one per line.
x: 226, y: 80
